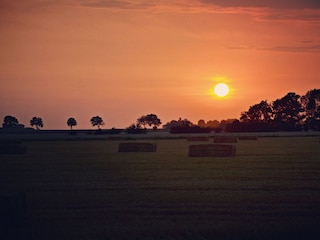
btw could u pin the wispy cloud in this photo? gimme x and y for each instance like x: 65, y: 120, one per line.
x: 298, y: 48
x: 198, y: 5
x: 118, y: 4
x: 311, y: 16
x: 274, y: 4
x: 240, y: 47
x: 271, y: 10
x: 306, y: 11
x: 301, y: 46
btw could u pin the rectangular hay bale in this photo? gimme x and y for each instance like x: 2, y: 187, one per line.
x: 196, y: 139
x: 212, y: 150
x: 137, y: 147
x: 225, y: 140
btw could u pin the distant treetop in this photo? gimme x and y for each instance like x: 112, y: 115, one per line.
x: 150, y: 119
x: 37, y: 122
x: 96, y: 121
x: 71, y: 122
x: 10, y: 122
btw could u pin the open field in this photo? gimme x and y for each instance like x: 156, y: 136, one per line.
x: 87, y: 190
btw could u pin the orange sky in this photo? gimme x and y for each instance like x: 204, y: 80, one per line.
x: 124, y: 59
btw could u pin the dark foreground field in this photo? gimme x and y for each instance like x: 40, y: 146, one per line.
x: 87, y: 190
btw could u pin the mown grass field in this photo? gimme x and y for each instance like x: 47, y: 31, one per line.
x: 87, y: 190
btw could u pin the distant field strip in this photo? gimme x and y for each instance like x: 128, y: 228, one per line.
x: 86, y: 189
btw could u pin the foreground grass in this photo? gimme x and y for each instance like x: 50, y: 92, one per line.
x: 87, y: 190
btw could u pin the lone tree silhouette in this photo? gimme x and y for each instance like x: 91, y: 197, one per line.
x: 311, y: 102
x: 96, y: 121
x: 37, y: 122
x: 258, y: 112
x: 150, y: 119
x: 288, y: 111
x: 10, y: 122
x: 71, y: 122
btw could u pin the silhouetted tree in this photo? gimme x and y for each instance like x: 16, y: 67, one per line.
x: 224, y: 123
x: 96, y: 121
x: 258, y: 112
x: 37, y: 122
x: 190, y: 129
x: 135, y: 129
x: 142, y: 121
x: 287, y: 112
x: 71, y: 122
x: 311, y: 103
x: 202, y: 123
x: 150, y: 119
x: 10, y: 122
x: 185, y: 126
x: 249, y: 126
x: 213, y: 123
x: 180, y: 122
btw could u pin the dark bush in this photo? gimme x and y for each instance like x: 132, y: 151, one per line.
x: 113, y: 131
x: 190, y: 129
x: 137, y: 147
x: 212, y: 150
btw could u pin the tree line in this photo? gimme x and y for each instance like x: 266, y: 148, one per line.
x: 151, y: 120
x: 11, y: 122
x: 289, y: 113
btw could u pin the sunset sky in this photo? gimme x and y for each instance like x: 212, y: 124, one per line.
x: 124, y: 59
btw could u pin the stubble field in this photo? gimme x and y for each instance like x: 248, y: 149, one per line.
x: 87, y: 190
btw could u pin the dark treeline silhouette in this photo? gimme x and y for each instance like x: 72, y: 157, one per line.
x: 136, y: 129
x: 215, y: 125
x: 145, y: 120
x: 150, y: 120
x: 11, y: 123
x: 185, y: 126
x: 289, y: 113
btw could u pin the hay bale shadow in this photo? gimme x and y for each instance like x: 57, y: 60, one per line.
x: 137, y: 147
x: 197, y: 139
x: 212, y: 150
x: 225, y: 140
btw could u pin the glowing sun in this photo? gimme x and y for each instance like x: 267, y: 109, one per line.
x: 221, y: 90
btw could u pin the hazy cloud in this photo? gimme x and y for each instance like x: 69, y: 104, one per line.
x: 239, y: 47
x: 311, y: 16
x: 119, y: 4
x: 304, y: 46
x: 31, y: 5
x: 308, y: 48
x: 307, y: 11
x: 271, y: 10
x: 276, y: 4
x: 199, y: 5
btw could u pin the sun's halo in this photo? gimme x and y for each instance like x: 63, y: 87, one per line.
x: 221, y: 90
